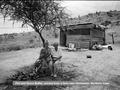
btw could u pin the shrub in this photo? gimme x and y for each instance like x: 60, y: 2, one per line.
x: 2, y: 49
x: 17, y: 47
x: 31, y: 41
x: 56, y: 35
x: 109, y: 14
x: 32, y: 46
x: 105, y: 23
x: 1, y: 39
x: 35, y: 36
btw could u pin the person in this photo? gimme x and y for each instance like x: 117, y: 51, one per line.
x: 97, y: 46
x: 56, y: 56
x: 45, y: 56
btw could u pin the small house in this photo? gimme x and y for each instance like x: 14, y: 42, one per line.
x: 82, y: 35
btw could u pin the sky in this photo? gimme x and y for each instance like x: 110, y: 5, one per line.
x: 73, y: 8
x: 81, y: 8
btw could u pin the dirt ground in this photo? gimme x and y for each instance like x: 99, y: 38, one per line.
x: 102, y: 66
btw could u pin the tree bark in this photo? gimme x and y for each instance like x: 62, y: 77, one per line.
x: 40, y: 34
x: 43, y: 40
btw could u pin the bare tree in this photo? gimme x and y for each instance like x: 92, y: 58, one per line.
x: 63, y: 19
x: 36, y: 13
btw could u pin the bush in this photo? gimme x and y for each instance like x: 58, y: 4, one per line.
x: 29, y: 73
x: 31, y: 41
x: 35, y: 36
x: 17, y: 47
x: 105, y: 23
x: 32, y: 46
x: 109, y: 14
x: 56, y: 35
x: 2, y: 49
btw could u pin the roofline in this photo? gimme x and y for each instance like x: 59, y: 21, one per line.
x: 96, y: 25
x: 75, y: 24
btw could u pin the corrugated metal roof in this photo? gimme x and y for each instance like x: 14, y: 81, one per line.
x: 84, y: 26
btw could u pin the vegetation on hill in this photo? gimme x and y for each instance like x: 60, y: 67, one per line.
x: 101, y: 17
x: 111, y: 19
x: 36, y: 14
x: 18, y: 41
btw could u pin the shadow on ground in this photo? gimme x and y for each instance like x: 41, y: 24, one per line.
x: 65, y: 73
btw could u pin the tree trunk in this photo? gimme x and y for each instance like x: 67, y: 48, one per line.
x: 40, y: 34
x: 43, y: 40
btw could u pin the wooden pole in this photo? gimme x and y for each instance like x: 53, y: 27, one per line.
x: 113, y: 38
x: 90, y: 43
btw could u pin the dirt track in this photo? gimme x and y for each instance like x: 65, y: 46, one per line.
x: 101, y: 66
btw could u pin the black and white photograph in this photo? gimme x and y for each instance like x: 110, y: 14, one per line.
x: 59, y: 45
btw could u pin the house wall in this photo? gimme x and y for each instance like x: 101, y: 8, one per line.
x: 62, y: 38
x: 80, y: 41
x: 85, y: 41
x: 97, y: 36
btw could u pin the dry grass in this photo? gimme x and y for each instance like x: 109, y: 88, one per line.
x: 24, y: 40
x: 27, y: 73
x: 101, y: 67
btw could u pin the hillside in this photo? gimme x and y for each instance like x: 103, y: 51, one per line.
x: 97, y: 18
x: 18, y: 41
x: 111, y: 19
x: 100, y: 17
